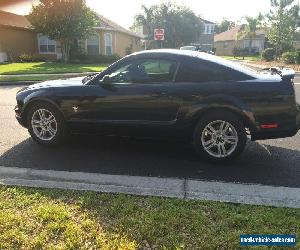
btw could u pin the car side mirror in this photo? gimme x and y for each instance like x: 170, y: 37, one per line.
x: 106, y: 80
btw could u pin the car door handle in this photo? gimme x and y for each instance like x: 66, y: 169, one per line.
x: 159, y: 94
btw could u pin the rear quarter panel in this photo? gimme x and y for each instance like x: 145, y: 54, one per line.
x: 269, y: 102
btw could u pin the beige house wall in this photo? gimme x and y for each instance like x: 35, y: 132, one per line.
x: 15, y: 42
x: 225, y: 48
x: 120, y: 42
x: 124, y: 41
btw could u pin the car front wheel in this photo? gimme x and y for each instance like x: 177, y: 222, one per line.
x: 46, y: 124
x: 220, y: 136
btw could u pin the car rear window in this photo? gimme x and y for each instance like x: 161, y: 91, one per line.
x: 203, y: 71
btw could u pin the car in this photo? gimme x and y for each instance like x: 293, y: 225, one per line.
x: 197, y: 48
x: 190, y: 47
x: 214, y: 103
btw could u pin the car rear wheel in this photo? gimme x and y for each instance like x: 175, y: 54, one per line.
x: 46, y: 124
x: 220, y: 136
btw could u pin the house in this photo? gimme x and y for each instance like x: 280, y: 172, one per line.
x: 17, y: 37
x: 111, y: 38
x: 206, y: 39
x: 225, y: 42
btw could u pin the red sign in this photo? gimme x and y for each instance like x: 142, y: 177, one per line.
x: 159, y: 34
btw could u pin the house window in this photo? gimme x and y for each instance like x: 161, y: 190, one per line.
x: 92, y: 45
x: 108, y: 44
x: 208, y: 29
x: 46, y: 45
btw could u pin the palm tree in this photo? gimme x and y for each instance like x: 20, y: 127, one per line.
x: 249, y: 30
x: 146, y: 19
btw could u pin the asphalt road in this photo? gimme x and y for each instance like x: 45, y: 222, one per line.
x: 271, y: 162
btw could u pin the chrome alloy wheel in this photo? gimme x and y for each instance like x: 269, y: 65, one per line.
x: 219, y: 139
x: 44, y: 124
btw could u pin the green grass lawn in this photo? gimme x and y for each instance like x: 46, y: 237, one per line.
x: 246, y: 58
x: 48, y: 68
x: 57, y: 219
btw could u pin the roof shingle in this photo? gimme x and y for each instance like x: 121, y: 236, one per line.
x: 229, y: 35
x: 13, y: 20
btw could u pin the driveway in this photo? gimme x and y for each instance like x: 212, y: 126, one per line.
x: 271, y: 162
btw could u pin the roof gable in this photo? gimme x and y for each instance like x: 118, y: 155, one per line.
x: 229, y: 35
x: 232, y: 34
x: 108, y: 24
x: 13, y: 20
x: 206, y: 21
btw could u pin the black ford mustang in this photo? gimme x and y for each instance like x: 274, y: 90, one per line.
x: 212, y: 101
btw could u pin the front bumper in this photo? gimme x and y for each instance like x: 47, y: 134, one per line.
x: 18, y: 115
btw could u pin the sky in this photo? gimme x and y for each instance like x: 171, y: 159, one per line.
x: 123, y: 11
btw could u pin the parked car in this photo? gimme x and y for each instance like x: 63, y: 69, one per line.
x: 196, y: 48
x: 190, y: 47
x: 210, y: 101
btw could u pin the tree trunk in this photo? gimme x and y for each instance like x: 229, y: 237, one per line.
x: 65, y: 49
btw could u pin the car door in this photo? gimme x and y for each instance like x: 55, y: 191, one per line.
x: 138, y: 92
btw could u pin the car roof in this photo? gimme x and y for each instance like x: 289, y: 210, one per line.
x: 199, y: 55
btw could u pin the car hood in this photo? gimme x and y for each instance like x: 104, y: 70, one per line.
x: 57, y: 83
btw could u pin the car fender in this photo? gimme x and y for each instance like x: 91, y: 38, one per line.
x: 38, y: 96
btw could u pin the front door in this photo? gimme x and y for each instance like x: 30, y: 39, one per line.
x: 138, y: 92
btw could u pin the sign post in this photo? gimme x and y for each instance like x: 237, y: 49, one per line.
x: 159, y: 35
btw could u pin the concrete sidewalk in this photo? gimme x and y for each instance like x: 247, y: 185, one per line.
x: 153, y: 186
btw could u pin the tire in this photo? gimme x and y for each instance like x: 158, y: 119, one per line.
x: 46, y: 117
x: 217, y: 145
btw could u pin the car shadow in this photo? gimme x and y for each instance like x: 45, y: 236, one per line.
x: 263, y: 164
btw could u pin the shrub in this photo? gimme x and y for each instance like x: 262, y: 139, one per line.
x: 289, y: 57
x: 239, y: 52
x: 30, y: 58
x: 268, y: 54
x: 85, y: 58
x: 128, y: 50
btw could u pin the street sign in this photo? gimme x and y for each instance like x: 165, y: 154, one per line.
x: 159, y: 34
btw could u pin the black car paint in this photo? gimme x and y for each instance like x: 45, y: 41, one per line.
x: 170, y: 105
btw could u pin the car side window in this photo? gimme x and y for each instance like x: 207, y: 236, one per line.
x: 202, y: 71
x: 145, y: 71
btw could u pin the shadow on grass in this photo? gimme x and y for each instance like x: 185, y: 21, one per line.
x: 259, y: 163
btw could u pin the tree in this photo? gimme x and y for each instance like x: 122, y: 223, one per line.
x: 250, y: 28
x: 224, y: 26
x: 181, y: 24
x: 63, y: 21
x: 146, y: 20
x: 284, y: 21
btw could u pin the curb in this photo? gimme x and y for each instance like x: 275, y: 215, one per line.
x: 49, y: 74
x: 17, y: 83
x: 153, y: 186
